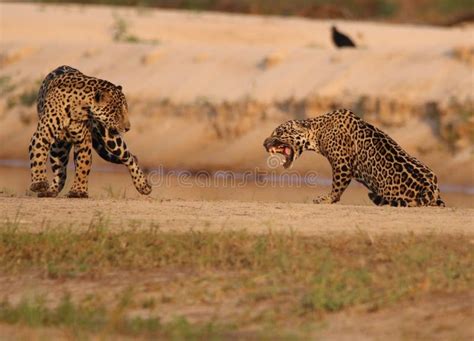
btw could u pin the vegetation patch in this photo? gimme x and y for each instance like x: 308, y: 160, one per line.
x: 121, y: 32
x: 335, y: 271
x: 86, y: 318
x: 263, y: 281
x: 6, y: 85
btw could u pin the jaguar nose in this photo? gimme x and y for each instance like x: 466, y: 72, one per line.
x: 267, y: 143
x: 126, y: 125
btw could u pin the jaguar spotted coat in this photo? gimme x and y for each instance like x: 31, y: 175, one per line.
x: 77, y: 112
x: 357, y: 149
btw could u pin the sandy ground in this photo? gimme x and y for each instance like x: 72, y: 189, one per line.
x: 200, y: 205
x: 181, y: 215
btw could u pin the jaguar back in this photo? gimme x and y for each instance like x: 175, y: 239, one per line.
x: 46, y: 84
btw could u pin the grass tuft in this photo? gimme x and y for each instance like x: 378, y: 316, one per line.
x: 121, y: 32
x: 277, y: 276
x: 96, y: 318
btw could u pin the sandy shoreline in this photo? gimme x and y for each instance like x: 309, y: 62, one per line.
x: 31, y: 214
x: 113, y: 181
x: 205, y: 89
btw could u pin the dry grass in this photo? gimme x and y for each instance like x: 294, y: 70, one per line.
x: 464, y: 54
x: 266, y: 280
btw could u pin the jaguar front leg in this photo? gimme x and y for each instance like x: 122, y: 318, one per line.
x: 111, y: 147
x: 341, y: 178
x: 138, y: 177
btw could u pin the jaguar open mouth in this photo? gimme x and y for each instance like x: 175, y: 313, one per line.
x: 283, y: 149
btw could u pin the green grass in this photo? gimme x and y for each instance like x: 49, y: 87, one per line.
x: 6, y: 85
x: 121, y: 33
x: 319, y: 262
x: 28, y: 97
x: 95, y: 318
x: 450, y: 6
x: 278, y: 279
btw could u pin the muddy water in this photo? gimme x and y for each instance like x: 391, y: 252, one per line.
x: 114, y: 182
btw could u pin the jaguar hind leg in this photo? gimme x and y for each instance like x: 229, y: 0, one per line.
x: 429, y: 196
x: 40, y: 145
x: 398, y: 203
x: 394, y: 202
x: 377, y: 199
x: 59, y: 158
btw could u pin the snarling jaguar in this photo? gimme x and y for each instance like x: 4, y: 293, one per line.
x: 356, y: 149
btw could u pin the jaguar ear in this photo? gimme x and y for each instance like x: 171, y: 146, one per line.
x: 119, y: 87
x: 98, y: 96
x: 101, y: 96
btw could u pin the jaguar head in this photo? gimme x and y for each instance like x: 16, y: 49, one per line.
x: 110, y: 108
x: 288, y: 139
